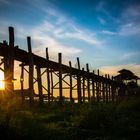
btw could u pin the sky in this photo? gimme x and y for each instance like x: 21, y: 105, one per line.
x: 103, y: 33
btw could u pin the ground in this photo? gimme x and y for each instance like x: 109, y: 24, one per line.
x: 94, y: 121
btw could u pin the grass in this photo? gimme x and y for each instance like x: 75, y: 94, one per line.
x: 96, y: 121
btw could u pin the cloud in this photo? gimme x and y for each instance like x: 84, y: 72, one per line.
x: 131, y: 12
x: 65, y: 28
x: 130, y: 18
x: 130, y: 29
x: 5, y: 2
x: 113, y: 70
x: 107, y: 32
x: 130, y: 55
x: 42, y: 38
x: 101, y: 20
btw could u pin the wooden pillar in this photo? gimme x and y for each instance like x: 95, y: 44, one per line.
x: 9, y: 64
x: 93, y: 88
x: 39, y: 84
x: 103, y: 90
x: 60, y: 77
x: 71, y: 99
x: 106, y: 89
x: 88, y: 83
x: 31, y: 70
x: 112, y: 89
x: 97, y: 88
x: 21, y: 82
x: 83, y: 87
x: 48, y: 75
x: 79, y: 82
x: 109, y: 90
x: 52, y: 85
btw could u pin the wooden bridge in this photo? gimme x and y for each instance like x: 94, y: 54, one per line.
x: 98, y: 88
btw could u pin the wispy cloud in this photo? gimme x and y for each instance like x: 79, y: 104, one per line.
x: 65, y: 28
x: 101, y: 20
x: 130, y: 55
x: 54, y: 30
x: 130, y: 18
x: 130, y: 29
x: 131, y: 12
x: 107, y: 32
x: 5, y: 2
x: 102, y: 7
x: 113, y: 70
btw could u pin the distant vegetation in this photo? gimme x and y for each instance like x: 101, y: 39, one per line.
x: 94, y: 121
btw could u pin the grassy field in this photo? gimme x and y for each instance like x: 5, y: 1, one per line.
x: 95, y: 121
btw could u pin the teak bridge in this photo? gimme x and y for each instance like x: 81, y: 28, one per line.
x: 87, y: 85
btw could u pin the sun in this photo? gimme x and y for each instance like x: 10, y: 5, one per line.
x: 2, y: 84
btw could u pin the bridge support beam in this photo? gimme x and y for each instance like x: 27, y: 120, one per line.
x: 79, y: 82
x: 31, y: 70
x: 39, y: 84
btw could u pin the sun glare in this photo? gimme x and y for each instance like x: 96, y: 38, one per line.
x: 2, y: 85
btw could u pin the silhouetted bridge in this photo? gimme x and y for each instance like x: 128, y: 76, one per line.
x: 88, y: 85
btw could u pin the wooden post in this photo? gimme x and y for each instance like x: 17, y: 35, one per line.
x: 106, y: 89
x: 48, y: 75
x: 93, y: 88
x: 52, y: 85
x: 21, y: 81
x: 109, y: 91
x: 88, y: 83
x: 83, y: 87
x: 103, y: 90
x: 39, y: 84
x: 31, y: 70
x: 97, y: 88
x: 60, y: 77
x: 9, y: 64
x: 112, y: 89
x: 71, y: 99
x: 79, y: 82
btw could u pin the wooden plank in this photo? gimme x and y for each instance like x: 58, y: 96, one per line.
x: 39, y: 84
x: 60, y: 77
x: 48, y: 75
x: 31, y: 69
x: 79, y: 82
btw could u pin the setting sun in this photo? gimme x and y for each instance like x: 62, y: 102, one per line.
x: 2, y: 85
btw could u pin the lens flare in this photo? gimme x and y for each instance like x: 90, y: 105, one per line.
x: 2, y: 84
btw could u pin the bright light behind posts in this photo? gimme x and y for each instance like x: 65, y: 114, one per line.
x: 2, y: 83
